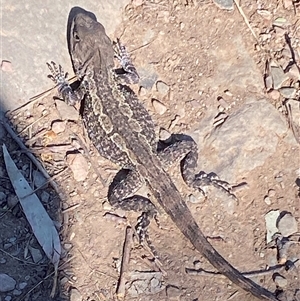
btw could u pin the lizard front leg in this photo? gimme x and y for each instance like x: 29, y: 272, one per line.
x: 60, y: 78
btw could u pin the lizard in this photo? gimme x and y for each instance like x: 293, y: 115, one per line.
x: 122, y: 131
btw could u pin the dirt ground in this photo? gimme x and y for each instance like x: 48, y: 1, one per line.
x: 194, y: 60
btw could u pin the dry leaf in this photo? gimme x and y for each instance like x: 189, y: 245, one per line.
x: 39, y: 220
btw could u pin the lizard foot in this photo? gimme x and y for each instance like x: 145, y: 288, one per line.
x: 203, y: 179
x: 60, y: 78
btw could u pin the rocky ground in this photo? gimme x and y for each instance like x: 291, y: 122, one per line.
x: 229, y: 77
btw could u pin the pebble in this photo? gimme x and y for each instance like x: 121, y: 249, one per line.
x: 7, y: 283
x: 142, y: 91
x: 38, y: 179
x: 75, y: 295
x: 22, y: 285
x: 271, y: 193
x: 148, y: 77
x: 7, y: 246
x: 224, y: 4
x: 162, y: 88
x: 173, y: 292
x: 17, y: 292
x: 278, y: 76
x: 35, y: 254
x: 294, y: 72
x: 271, y: 219
x: 79, y: 166
x: 159, y: 107
x: 8, y: 298
x: 288, y: 92
x: 2, y: 260
x: 66, y: 112
x: 164, y: 134
x: 274, y: 94
x: 287, y: 225
x: 2, y: 197
x: 223, y: 103
x: 58, y: 126
x: 68, y: 246
x: 45, y: 196
x: 280, y: 281
x: 267, y: 200
x: 6, y: 66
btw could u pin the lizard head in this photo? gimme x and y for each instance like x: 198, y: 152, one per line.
x: 89, y: 45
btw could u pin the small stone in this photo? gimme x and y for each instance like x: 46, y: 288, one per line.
x: 12, y: 240
x: 274, y: 94
x: 12, y: 201
x: 72, y: 236
x: 268, y: 82
x: 158, y: 107
x: 7, y: 283
x: 45, y: 196
x: 278, y: 76
x: 223, y: 103
x: 271, y: 218
x: 17, y: 292
x: 38, y: 179
x: 2, y: 197
x: 68, y: 246
x: 287, y: 225
x: 164, y: 135
x: 288, y: 92
x: 78, y: 165
x: 2, y: 260
x: 64, y: 281
x: 58, y: 126
x: 7, y: 246
x: 267, y: 200
x: 162, y: 88
x: 35, y: 254
x: 6, y: 66
x: 148, y: 77
x: 224, y: 4
x: 22, y: 285
x: 173, y: 292
x: 75, y: 295
x: 294, y: 72
x: 271, y: 193
x: 66, y: 112
x: 142, y: 91
x: 280, y: 281
x: 7, y: 298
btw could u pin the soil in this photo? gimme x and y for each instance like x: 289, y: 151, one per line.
x: 200, y: 54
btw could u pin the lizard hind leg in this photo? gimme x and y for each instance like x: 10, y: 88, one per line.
x: 126, y: 183
x: 184, y: 149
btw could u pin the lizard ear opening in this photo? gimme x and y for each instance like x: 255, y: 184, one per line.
x: 76, y: 37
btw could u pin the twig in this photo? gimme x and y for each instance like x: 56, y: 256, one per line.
x: 18, y: 259
x: 39, y: 166
x: 201, y: 272
x: 70, y: 208
x: 125, y: 262
x: 290, y: 121
x: 246, y: 20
